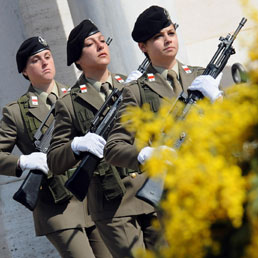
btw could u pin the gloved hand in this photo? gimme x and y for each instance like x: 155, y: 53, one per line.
x: 35, y: 160
x: 134, y: 75
x: 146, y: 153
x: 208, y: 86
x: 90, y: 142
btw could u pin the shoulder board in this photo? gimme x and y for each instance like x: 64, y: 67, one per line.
x: 24, y: 98
x: 190, y: 68
x: 11, y: 103
x: 140, y: 80
x: 75, y: 88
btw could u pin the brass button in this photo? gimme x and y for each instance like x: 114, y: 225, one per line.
x: 133, y: 175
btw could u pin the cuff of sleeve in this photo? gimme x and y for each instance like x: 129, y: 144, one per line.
x: 18, y: 170
x: 76, y: 154
x: 220, y: 94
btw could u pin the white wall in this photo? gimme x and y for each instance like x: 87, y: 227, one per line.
x: 203, y: 22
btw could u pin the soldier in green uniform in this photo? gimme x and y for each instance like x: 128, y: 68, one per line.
x: 165, y: 78
x: 58, y: 215
x: 111, y: 195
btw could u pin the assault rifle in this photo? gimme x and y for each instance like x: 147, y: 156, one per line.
x: 152, y: 189
x: 102, y: 123
x: 28, y: 192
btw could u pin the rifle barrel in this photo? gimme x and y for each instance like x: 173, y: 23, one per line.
x: 241, y: 24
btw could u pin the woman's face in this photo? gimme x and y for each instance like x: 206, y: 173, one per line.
x: 95, y: 52
x: 40, y: 68
x: 162, y: 47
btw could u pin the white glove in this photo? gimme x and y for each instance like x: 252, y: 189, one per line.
x: 134, y: 75
x: 208, y: 86
x: 146, y: 153
x: 90, y: 142
x: 35, y: 160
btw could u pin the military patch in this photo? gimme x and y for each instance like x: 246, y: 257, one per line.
x: 186, y: 69
x: 151, y: 77
x: 34, y: 100
x: 119, y: 79
x: 83, y: 88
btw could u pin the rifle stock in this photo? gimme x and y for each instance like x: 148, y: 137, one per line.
x: 28, y: 192
x: 152, y: 189
x: 79, y: 182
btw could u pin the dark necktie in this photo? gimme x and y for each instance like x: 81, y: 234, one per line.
x: 105, y: 88
x: 172, y: 76
x: 51, y: 99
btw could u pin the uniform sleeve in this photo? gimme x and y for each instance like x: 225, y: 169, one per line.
x: 120, y: 149
x: 8, y: 138
x: 60, y: 156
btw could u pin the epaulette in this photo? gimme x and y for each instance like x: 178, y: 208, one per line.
x: 128, y: 84
x: 11, y: 103
x: 140, y: 80
x: 189, y: 68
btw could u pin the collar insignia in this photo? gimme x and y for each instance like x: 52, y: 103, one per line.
x: 83, y: 88
x: 151, y: 77
x: 34, y: 100
x: 64, y: 90
x: 186, y: 69
x: 119, y: 79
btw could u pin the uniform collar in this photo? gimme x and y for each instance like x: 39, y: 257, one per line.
x: 42, y: 95
x: 164, y: 72
x: 37, y: 106
x: 89, y: 93
x: 97, y: 84
x: 158, y: 83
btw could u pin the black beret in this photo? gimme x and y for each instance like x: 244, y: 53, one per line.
x: 150, y: 22
x: 76, y: 39
x: 29, y: 47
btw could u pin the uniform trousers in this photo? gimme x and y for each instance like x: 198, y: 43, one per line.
x: 123, y: 235
x: 79, y: 243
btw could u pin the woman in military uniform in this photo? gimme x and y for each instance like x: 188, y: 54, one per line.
x: 112, y: 203
x: 164, y: 79
x: 58, y: 215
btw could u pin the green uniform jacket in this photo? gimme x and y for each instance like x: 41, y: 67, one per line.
x: 61, y: 158
x: 48, y: 217
x: 120, y: 149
